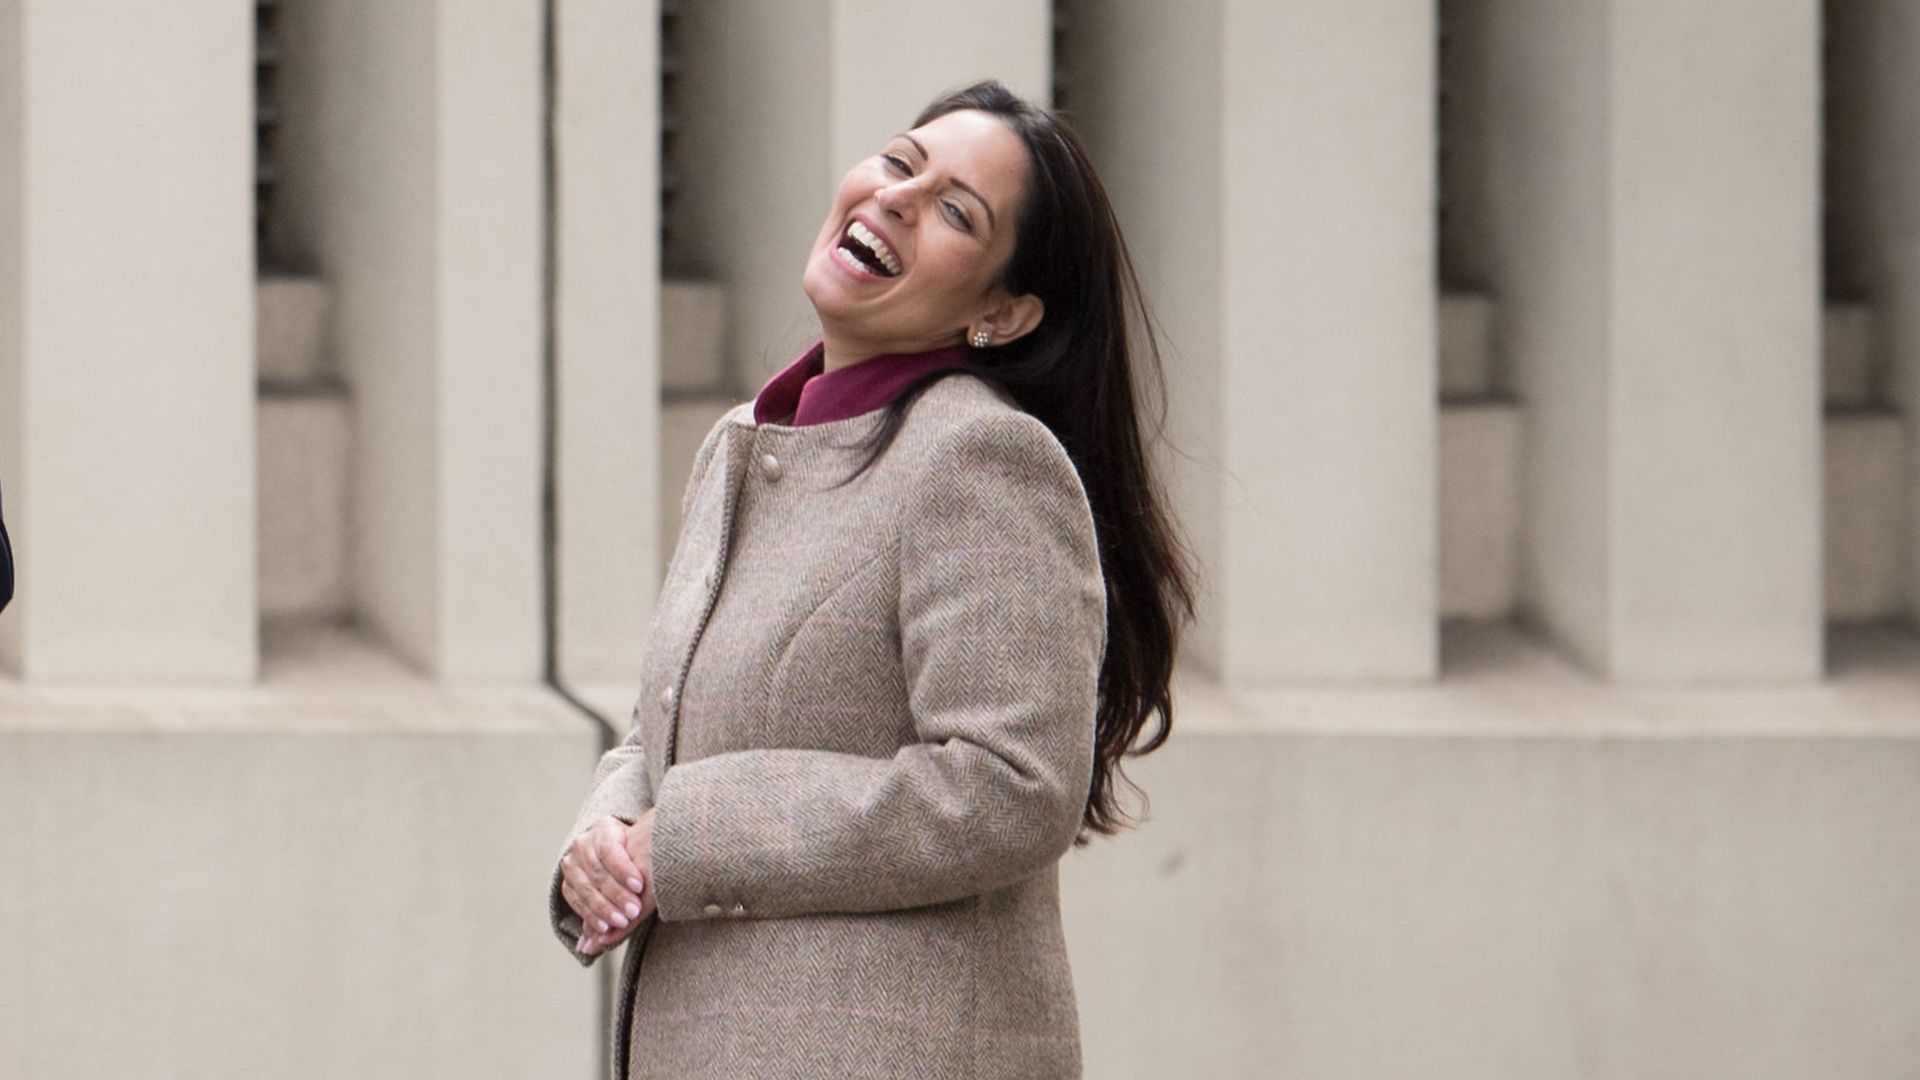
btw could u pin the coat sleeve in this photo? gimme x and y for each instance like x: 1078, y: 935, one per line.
x: 621, y: 786
x: 1002, y: 616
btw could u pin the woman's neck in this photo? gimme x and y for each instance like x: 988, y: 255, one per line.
x: 838, y: 353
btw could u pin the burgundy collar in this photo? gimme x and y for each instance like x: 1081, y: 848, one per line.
x: 805, y: 393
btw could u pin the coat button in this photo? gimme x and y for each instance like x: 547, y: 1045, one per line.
x: 666, y: 698
x: 738, y: 910
x: 770, y: 467
x: 712, y: 910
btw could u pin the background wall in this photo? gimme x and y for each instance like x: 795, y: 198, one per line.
x: 1520, y: 903
x: 413, y: 161
x: 125, y: 363
x: 1540, y: 395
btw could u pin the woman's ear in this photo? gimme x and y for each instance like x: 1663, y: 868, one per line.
x: 1010, y: 318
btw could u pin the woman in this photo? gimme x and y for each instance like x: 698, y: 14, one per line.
x: 925, y: 598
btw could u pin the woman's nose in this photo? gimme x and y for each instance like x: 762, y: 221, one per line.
x: 901, y: 200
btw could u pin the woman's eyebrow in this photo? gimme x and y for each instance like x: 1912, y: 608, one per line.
x: 992, y: 222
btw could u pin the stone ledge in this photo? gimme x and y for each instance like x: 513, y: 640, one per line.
x: 313, y: 677
x: 1498, y: 680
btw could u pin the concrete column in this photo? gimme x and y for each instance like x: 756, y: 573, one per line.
x: 780, y: 100
x: 1273, y: 167
x: 1657, y: 279
x: 413, y: 146
x: 607, y: 375
x: 1875, y: 57
x: 126, y: 335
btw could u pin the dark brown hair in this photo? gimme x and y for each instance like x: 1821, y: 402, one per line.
x: 1075, y: 373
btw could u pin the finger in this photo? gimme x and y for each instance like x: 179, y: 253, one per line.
x: 583, y: 907
x: 608, y: 902
x: 618, y: 902
x: 611, y: 846
x: 610, y: 854
x: 581, y: 896
x: 588, y: 900
x: 618, y: 937
x: 576, y: 866
x: 636, y: 842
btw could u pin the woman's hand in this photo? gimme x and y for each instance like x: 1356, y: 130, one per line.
x: 604, y: 878
x: 600, y: 882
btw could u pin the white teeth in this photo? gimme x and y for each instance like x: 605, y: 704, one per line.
x: 879, y: 247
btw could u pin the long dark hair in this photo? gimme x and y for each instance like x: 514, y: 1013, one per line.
x: 1075, y: 373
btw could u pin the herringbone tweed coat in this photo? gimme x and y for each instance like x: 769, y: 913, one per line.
x: 866, y: 726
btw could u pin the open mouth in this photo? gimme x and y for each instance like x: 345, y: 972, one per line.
x: 864, y: 250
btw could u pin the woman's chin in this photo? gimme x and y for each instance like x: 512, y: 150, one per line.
x: 832, y: 295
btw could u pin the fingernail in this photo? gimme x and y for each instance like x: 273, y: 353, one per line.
x: 619, y: 920
x: 636, y: 885
x: 633, y: 910
x: 604, y: 928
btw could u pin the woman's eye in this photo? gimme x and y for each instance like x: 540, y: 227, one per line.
x: 897, y: 164
x: 957, y: 216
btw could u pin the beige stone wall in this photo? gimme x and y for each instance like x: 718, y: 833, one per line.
x: 413, y: 153
x: 1873, y: 48
x: 1430, y: 901
x: 608, y: 367
x: 1288, y: 252
x: 339, y: 871
x: 127, y: 368
x: 1552, y: 709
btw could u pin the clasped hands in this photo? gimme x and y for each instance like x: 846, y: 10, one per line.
x: 606, y: 876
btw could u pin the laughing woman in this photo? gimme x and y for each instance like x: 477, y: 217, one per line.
x: 925, y: 599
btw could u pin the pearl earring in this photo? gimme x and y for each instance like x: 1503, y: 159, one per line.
x: 980, y: 339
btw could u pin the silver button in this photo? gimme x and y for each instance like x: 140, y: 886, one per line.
x: 666, y: 698
x: 712, y: 910
x: 770, y: 466
x: 738, y: 910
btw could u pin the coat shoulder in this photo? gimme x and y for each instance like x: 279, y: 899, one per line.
x: 966, y: 403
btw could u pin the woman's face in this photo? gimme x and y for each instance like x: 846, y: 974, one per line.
x: 916, y: 238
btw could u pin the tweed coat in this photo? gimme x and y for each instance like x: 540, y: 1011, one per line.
x: 866, y: 728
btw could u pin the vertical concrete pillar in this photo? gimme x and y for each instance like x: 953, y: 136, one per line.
x: 126, y: 339
x: 1879, y: 42
x: 781, y: 100
x: 607, y: 297
x: 413, y: 147
x: 12, y: 299
x: 1657, y: 276
x: 1273, y: 166
x: 490, y: 219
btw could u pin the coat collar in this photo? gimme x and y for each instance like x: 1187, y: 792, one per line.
x: 804, y: 393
